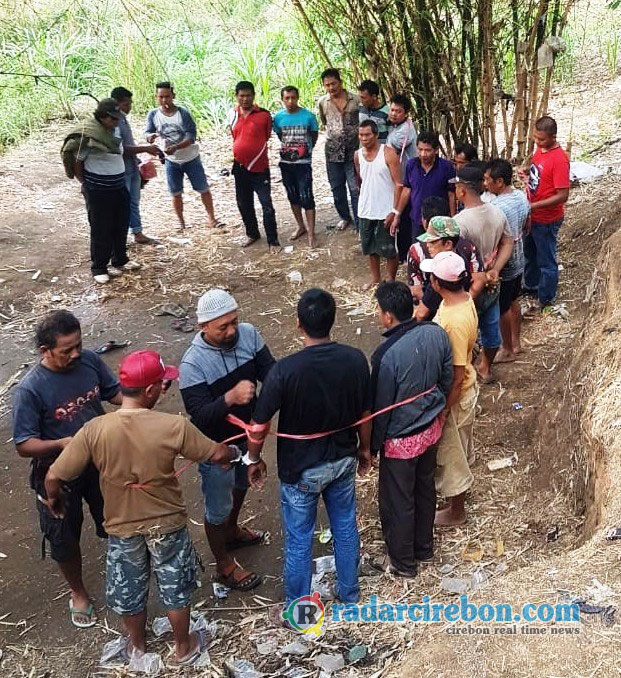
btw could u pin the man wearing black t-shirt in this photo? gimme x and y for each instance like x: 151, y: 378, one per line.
x: 324, y: 387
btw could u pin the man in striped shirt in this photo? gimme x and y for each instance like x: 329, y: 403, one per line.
x: 100, y: 168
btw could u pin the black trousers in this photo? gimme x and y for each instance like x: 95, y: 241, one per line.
x: 108, y: 217
x: 407, y: 507
x: 246, y: 185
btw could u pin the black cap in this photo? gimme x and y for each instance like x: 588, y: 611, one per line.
x: 469, y: 174
x: 108, y: 107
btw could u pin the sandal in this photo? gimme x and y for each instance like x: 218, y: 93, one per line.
x: 249, y: 581
x: 217, y: 224
x: 343, y: 225
x: 255, y: 537
x: 298, y: 234
x: 89, y: 613
x: 193, y: 657
x: 385, y: 565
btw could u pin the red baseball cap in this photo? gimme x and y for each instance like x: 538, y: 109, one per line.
x: 143, y: 368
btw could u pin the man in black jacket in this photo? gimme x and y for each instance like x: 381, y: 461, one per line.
x: 218, y: 376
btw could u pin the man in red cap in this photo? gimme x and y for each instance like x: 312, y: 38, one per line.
x: 145, y: 515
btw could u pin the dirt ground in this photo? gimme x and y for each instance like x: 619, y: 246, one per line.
x: 512, y: 511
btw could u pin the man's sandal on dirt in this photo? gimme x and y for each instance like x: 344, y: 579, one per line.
x: 385, y: 565
x: 244, y: 583
x: 252, y: 538
x: 76, y: 614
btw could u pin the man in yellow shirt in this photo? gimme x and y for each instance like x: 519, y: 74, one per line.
x: 458, y: 317
x: 145, y: 516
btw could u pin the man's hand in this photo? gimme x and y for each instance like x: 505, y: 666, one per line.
x: 171, y: 150
x: 492, y: 278
x: 63, y: 442
x: 153, y: 149
x: 56, y: 505
x: 257, y: 473
x: 241, y: 394
x: 364, y: 461
x: 151, y: 137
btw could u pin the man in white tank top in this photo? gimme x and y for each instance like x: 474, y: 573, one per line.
x: 379, y: 174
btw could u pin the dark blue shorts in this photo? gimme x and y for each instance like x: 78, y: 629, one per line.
x: 298, y: 181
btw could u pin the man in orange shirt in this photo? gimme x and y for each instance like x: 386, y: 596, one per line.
x: 251, y: 128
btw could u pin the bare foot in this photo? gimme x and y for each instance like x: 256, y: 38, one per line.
x: 180, y: 228
x: 505, y: 356
x: 485, y: 377
x: 446, y: 518
x: 312, y: 242
x: 298, y: 234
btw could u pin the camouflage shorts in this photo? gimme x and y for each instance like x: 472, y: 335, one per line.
x: 128, y: 567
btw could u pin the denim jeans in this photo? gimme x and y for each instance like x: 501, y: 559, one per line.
x: 246, y: 185
x: 342, y: 175
x: 336, y: 482
x: 541, y: 267
x: 132, y: 183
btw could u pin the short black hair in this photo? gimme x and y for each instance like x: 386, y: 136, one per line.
x: 500, y: 169
x: 289, y: 88
x: 395, y: 297
x: 316, y: 312
x: 469, y: 151
x: 435, y: 206
x: 429, y: 137
x: 402, y: 100
x: 121, y: 93
x: 546, y: 124
x: 450, y: 285
x: 369, y: 86
x: 331, y: 73
x: 454, y: 239
x: 370, y: 123
x: 244, y: 85
x: 164, y: 84
x: 55, y: 324
x: 131, y: 392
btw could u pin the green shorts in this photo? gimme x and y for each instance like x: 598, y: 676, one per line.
x: 376, y: 239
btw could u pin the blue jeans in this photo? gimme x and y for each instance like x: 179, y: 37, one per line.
x: 193, y: 170
x: 335, y: 481
x: 217, y: 485
x: 489, y: 326
x: 132, y: 183
x: 342, y: 175
x: 541, y: 267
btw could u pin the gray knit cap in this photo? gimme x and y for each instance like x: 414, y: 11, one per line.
x: 214, y: 304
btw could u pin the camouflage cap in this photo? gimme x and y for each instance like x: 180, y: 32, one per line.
x: 440, y: 227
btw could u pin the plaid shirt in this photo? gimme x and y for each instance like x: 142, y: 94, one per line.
x: 341, y: 127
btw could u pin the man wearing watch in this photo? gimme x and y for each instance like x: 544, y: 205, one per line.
x: 324, y: 387
x: 218, y: 376
x: 379, y: 176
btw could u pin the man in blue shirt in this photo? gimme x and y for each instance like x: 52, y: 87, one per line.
x: 371, y: 108
x: 50, y: 405
x: 426, y: 175
x: 133, y: 180
x: 297, y: 129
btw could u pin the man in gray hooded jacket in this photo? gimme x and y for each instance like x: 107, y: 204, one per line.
x: 218, y: 376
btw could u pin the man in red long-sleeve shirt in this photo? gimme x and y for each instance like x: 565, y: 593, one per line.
x: 251, y: 128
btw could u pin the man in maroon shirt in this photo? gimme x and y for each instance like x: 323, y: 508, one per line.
x: 547, y: 189
x: 251, y: 128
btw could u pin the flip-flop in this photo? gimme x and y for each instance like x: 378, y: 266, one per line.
x: 89, y: 612
x: 193, y: 657
x: 217, y: 224
x: 247, y: 583
x: 111, y: 345
x: 258, y: 538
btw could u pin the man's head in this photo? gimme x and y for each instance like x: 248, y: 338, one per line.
x: 316, y: 313
x: 59, y: 340
x: 498, y: 175
x: 464, y: 153
x: 448, y: 272
x: 142, y: 375
x: 165, y: 95
x: 468, y: 183
x: 368, y: 133
x: 290, y: 96
x: 217, y: 317
x: 442, y: 235
x: 244, y: 93
x: 545, y: 131
x: 108, y: 113
x: 434, y: 206
x: 395, y: 303
x: 123, y: 97
x: 368, y: 92
x: 428, y: 145
x: 399, y: 110
x: 331, y: 80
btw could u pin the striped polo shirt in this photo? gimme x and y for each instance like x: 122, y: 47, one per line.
x: 103, y: 171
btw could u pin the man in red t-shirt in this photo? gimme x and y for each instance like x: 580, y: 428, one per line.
x: 547, y: 188
x: 251, y: 128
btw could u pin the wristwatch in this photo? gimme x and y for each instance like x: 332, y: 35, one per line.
x: 247, y: 461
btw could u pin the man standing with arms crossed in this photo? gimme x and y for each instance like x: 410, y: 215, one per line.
x: 251, y: 128
x: 50, y: 405
x: 379, y: 174
x: 218, y: 376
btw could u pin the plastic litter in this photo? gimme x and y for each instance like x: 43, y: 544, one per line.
x: 241, y: 668
x: 268, y: 646
x: 161, y: 626
x: 179, y: 241
x: 35, y: 276
x: 150, y: 663
x: 501, y: 567
x: 584, y: 172
x: 298, y: 647
x: 325, y: 536
x: 115, y: 652
x: 599, y: 593
x: 518, y: 406
x: 324, y: 589
x: 356, y: 653
x: 288, y: 249
x: 329, y: 662
x: 553, y: 534
x: 220, y: 591
x: 456, y: 585
x: 294, y: 277
x: 612, y: 534
x: 176, y: 310
x: 447, y: 568
x: 480, y: 579
x: 505, y: 462
x: 325, y: 564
